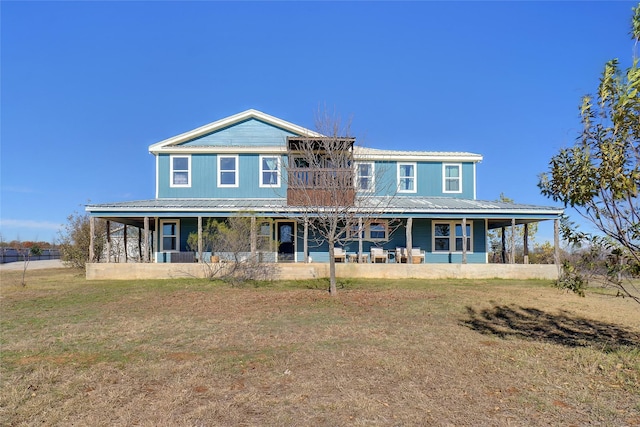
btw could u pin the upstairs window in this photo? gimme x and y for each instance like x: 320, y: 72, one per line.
x: 227, y: 171
x: 269, y: 171
x: 406, y: 177
x: 452, y: 178
x: 365, y: 176
x: 180, y: 171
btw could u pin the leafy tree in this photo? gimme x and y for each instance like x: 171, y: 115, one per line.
x: 600, y: 175
x: 75, y: 240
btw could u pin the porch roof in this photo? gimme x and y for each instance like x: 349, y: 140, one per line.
x: 498, y: 213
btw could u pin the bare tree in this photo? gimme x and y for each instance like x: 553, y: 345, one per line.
x: 230, y: 242
x: 330, y: 196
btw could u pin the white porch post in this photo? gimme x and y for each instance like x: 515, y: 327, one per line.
x: 360, y: 234
x: 464, y: 240
x: 125, y: 243
x: 146, y: 239
x: 513, y: 241
x: 108, y: 227
x: 526, y: 243
x: 92, y: 232
x: 305, y: 242
x: 254, y: 239
x: 409, y: 240
x: 200, y: 257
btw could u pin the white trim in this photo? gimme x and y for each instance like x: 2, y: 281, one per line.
x: 177, y: 235
x: 231, y: 120
x: 372, y: 177
x: 171, y: 170
x: 278, y: 172
x: 452, y: 236
x: 157, y: 176
x: 367, y: 231
x: 236, y: 171
x: 415, y: 176
x: 474, y: 182
x: 444, y: 178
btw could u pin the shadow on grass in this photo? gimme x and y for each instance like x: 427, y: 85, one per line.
x: 563, y: 328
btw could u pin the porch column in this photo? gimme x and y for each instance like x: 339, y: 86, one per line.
x: 556, y: 245
x: 513, y: 241
x: 125, y: 242
x: 504, y: 245
x: 108, y: 227
x: 360, y: 233
x: 409, y: 240
x: 146, y: 239
x: 305, y: 242
x: 200, y: 258
x: 139, y: 245
x: 92, y: 232
x: 464, y: 240
x: 254, y: 239
x: 526, y: 243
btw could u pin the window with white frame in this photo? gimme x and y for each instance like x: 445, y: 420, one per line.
x: 170, y: 239
x: 180, y: 171
x: 448, y: 235
x: 452, y: 178
x: 375, y: 231
x: 365, y: 177
x: 406, y: 177
x: 269, y: 171
x: 227, y: 171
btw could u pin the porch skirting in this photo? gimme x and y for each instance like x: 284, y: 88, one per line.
x: 284, y: 271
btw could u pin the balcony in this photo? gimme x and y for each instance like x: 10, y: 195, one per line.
x: 320, y: 187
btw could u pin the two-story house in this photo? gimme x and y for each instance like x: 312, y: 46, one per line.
x: 243, y: 164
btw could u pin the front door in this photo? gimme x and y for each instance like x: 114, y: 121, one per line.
x: 286, y: 241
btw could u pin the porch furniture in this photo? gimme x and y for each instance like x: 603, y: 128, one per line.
x: 359, y: 258
x: 401, y: 255
x: 417, y: 256
x: 339, y: 255
x: 378, y: 254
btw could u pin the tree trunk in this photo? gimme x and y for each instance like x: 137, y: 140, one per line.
x: 333, y: 291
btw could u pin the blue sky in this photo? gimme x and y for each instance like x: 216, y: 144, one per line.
x: 86, y: 87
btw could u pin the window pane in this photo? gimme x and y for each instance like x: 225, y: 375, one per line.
x: 377, y: 230
x: 364, y: 169
x: 228, y: 163
x: 180, y: 178
x: 452, y: 185
x: 452, y: 171
x: 180, y: 163
x: 406, y: 170
x: 169, y: 243
x: 442, y: 230
x: 269, y: 164
x: 441, y: 244
x: 365, y: 183
x: 227, y: 178
x: 269, y: 178
x: 169, y: 229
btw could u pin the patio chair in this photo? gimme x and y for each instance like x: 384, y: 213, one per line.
x: 378, y: 254
x: 339, y: 255
x: 417, y: 256
x: 401, y: 255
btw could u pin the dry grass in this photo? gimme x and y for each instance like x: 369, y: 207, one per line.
x: 191, y: 352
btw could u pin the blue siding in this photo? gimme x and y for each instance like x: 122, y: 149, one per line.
x: 249, y: 132
x: 429, y: 180
x: 204, y: 179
